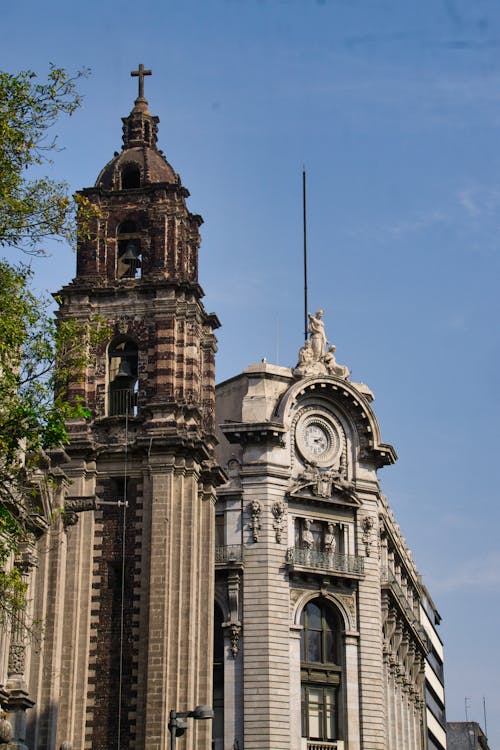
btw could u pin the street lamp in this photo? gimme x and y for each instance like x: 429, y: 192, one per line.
x: 178, y: 724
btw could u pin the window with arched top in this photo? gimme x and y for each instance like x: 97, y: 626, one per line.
x: 129, y: 256
x: 218, y: 681
x: 122, y: 378
x: 131, y: 177
x: 321, y: 671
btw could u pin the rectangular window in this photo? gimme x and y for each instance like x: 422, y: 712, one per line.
x: 319, y: 712
x: 219, y: 530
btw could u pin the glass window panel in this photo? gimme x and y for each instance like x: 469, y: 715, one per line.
x: 313, y: 613
x: 317, y: 532
x: 329, y: 655
x: 330, y: 715
x: 315, y: 712
x: 297, y: 532
x: 313, y: 646
x: 219, y: 530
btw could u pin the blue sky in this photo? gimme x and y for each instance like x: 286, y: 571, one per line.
x: 394, y: 108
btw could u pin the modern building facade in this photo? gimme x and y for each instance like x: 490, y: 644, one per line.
x: 435, y: 711
x: 287, y: 598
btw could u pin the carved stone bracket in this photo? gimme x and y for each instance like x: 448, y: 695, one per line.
x: 279, y: 513
x: 75, y: 505
x: 255, y: 510
x: 233, y: 626
x: 233, y: 595
x: 367, y: 526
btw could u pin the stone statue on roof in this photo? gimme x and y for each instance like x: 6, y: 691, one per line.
x: 313, y: 359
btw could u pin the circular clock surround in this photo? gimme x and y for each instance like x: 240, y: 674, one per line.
x: 317, y: 439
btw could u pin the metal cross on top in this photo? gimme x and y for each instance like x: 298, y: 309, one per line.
x: 141, y: 73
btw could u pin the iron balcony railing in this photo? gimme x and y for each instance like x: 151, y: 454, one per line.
x: 325, y: 744
x: 331, y: 561
x: 390, y: 579
x: 122, y: 402
x: 230, y: 553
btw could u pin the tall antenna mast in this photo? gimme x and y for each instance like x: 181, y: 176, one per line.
x: 305, y: 248
x: 484, y: 712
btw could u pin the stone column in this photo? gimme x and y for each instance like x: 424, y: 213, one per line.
x: 180, y: 594
x: 353, y: 733
x: 295, y: 689
x: 19, y: 701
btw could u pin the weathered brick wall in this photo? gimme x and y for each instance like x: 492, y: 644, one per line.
x: 112, y: 695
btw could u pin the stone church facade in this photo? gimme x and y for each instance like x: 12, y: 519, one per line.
x: 233, y: 549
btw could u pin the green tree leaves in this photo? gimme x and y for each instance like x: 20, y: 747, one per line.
x: 33, y: 208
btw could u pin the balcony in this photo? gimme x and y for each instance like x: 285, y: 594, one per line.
x: 347, y: 566
x: 122, y: 402
x: 323, y: 744
x: 390, y: 581
x: 229, y: 556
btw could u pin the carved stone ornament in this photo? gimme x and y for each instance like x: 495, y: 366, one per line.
x: 6, y: 731
x: 279, y: 513
x: 75, y: 505
x: 367, y: 526
x: 255, y: 510
x: 16, y: 659
x: 349, y: 603
x: 235, y: 630
x: 233, y: 592
x: 323, y: 483
x: 313, y: 359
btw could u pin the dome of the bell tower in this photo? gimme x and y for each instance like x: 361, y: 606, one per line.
x: 135, y: 167
x: 140, y: 162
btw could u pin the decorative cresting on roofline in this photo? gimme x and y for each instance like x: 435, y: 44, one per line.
x: 353, y: 403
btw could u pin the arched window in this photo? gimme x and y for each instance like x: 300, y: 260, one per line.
x: 122, y: 378
x: 131, y: 177
x: 218, y: 681
x: 128, y: 264
x: 321, y: 671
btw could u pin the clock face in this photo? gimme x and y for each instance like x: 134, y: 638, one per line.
x: 317, y: 439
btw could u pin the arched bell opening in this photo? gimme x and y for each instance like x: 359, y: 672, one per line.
x: 129, y: 260
x: 122, y: 378
x: 131, y: 177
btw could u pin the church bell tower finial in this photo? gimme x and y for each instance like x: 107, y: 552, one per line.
x: 140, y: 73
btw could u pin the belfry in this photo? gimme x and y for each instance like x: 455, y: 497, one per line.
x: 134, y: 568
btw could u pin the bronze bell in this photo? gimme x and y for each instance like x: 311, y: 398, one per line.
x: 124, y: 371
x: 131, y: 254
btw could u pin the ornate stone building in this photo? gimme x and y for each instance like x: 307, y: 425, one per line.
x: 124, y: 582
x: 297, y: 574
x: 321, y: 636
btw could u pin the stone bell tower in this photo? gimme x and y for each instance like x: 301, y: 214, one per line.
x: 131, y: 627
